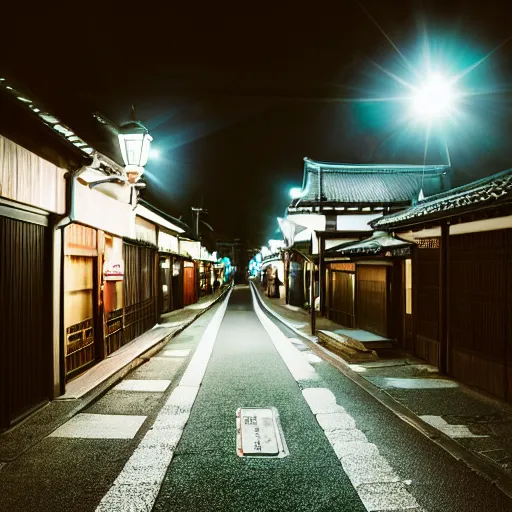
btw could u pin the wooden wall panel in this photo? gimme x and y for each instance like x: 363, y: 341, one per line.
x: 478, y: 309
x: 29, y: 179
x: 25, y: 319
x: 372, y: 299
x: 341, y: 298
x: 189, y: 285
x: 426, y: 343
x: 79, y: 314
x: 139, y: 290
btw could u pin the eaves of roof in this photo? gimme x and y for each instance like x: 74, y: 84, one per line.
x: 166, y: 216
x: 26, y: 129
x: 490, y: 192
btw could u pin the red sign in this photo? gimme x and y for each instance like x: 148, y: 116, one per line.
x: 113, y: 270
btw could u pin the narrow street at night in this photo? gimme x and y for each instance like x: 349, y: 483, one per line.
x: 256, y: 259
x: 165, y: 437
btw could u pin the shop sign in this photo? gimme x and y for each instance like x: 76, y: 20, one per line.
x: 347, y: 267
x: 113, y: 270
x: 402, y: 251
x: 427, y: 243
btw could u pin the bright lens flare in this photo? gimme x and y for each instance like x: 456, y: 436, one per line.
x: 295, y: 192
x: 434, y: 99
x: 154, y: 154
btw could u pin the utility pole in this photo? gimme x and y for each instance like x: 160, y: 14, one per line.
x: 196, y: 212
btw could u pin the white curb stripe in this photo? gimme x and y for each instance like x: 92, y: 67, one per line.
x: 298, y: 366
x: 376, y: 483
x: 455, y: 431
x: 136, y: 487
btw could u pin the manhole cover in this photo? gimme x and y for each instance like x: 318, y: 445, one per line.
x: 259, y: 433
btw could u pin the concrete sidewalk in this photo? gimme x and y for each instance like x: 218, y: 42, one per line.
x: 467, y: 423
x: 86, y: 388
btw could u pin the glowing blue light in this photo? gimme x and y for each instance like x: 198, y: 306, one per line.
x: 434, y: 99
x: 254, y: 266
x: 258, y: 258
x: 295, y: 192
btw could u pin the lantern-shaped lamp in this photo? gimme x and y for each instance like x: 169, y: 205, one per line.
x: 134, y: 142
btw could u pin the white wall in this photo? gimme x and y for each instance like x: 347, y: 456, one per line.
x: 145, y: 230
x: 99, y: 211
x: 190, y: 248
x: 167, y: 242
x: 482, y: 225
x: 313, y: 221
x: 356, y: 222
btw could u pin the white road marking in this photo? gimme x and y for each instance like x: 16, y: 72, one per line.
x: 151, y: 386
x: 378, y: 486
x: 296, y: 342
x: 137, y: 486
x: 455, y: 431
x: 174, y: 353
x: 297, y: 365
x: 100, y: 426
x: 311, y: 358
x: 387, y: 496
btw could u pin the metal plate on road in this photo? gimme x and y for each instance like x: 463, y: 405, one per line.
x: 259, y: 434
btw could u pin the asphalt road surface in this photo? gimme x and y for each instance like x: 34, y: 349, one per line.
x: 165, y: 438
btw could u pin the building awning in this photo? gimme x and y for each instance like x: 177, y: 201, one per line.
x: 290, y: 231
x: 379, y: 244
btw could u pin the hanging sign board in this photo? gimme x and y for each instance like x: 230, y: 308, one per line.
x: 113, y: 270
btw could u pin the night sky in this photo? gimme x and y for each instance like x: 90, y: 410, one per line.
x: 235, y: 100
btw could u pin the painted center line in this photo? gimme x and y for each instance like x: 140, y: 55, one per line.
x: 375, y: 481
x: 137, y: 486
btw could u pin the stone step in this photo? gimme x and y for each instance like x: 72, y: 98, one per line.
x: 350, y: 349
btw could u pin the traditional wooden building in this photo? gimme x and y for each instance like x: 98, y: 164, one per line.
x: 163, y: 230
x: 207, y: 275
x: 34, y: 164
x: 367, y: 283
x: 79, y: 265
x: 336, y: 206
x: 462, y: 281
x: 98, y: 270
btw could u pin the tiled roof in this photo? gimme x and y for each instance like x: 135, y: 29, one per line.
x: 495, y: 189
x: 378, y: 242
x: 370, y: 184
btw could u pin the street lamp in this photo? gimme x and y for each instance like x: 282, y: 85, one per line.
x: 134, y: 142
x: 436, y: 98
